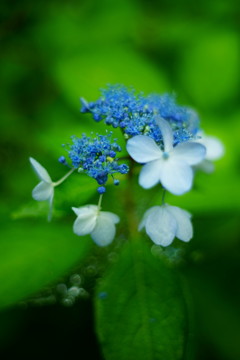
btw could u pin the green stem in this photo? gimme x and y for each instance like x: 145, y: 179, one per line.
x: 63, y: 178
x: 125, y: 158
x: 130, y: 203
x: 163, y: 196
x: 100, y: 202
x: 130, y: 209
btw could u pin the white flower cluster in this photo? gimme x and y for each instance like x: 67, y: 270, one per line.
x: 90, y: 219
x: 172, y: 166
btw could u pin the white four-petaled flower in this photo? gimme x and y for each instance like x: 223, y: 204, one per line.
x: 45, y: 189
x: 164, y: 223
x: 172, y: 166
x: 99, y: 224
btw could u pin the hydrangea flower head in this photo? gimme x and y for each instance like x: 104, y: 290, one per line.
x: 99, y: 224
x: 171, y: 165
x: 161, y: 135
x: 97, y: 157
x: 164, y: 223
x: 135, y: 113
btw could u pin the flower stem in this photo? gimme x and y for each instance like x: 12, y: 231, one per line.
x: 163, y: 196
x: 125, y: 157
x: 64, y: 177
x: 100, y: 202
x: 130, y: 204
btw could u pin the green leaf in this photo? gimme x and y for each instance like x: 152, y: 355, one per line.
x: 140, y: 309
x: 35, y: 253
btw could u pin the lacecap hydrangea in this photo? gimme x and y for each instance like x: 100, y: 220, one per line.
x: 161, y: 137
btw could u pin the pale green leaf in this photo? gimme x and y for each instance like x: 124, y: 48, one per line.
x: 35, y: 253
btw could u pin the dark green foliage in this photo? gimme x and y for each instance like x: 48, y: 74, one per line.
x: 140, y: 309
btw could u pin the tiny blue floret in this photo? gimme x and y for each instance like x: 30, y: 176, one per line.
x: 101, y: 189
x: 62, y: 160
x: 116, y: 182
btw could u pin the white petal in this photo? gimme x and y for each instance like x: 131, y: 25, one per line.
x: 43, y: 191
x: 113, y: 217
x: 83, y: 210
x: 206, y: 165
x: 190, y: 152
x: 143, y: 149
x: 40, y: 170
x: 161, y: 226
x: 50, y: 207
x: 85, y: 222
x: 176, y: 176
x: 150, y: 174
x: 215, y: 148
x: 145, y: 216
x: 104, y: 231
x: 184, y: 225
x: 167, y: 134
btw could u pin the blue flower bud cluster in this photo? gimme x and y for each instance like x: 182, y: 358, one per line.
x: 97, y: 157
x: 136, y: 114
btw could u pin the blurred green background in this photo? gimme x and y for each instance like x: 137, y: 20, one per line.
x: 51, y: 54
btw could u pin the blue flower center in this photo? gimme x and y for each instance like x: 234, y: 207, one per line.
x: 165, y: 155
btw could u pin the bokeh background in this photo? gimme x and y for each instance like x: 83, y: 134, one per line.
x: 51, y: 54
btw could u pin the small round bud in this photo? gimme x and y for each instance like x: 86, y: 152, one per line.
x: 110, y: 159
x: 97, y: 117
x: 102, y: 158
x: 62, y: 160
x: 73, y: 291
x: 101, y: 190
x: 112, y: 154
x: 123, y: 169
x: 68, y: 301
x: 75, y: 279
x: 116, y: 182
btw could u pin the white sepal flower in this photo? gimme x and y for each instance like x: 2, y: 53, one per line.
x: 99, y: 224
x: 214, y: 151
x: 45, y: 189
x: 164, y: 223
x: 171, y: 167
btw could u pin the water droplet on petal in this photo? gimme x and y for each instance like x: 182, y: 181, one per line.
x: 75, y: 279
x: 73, y: 291
x: 68, y: 301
